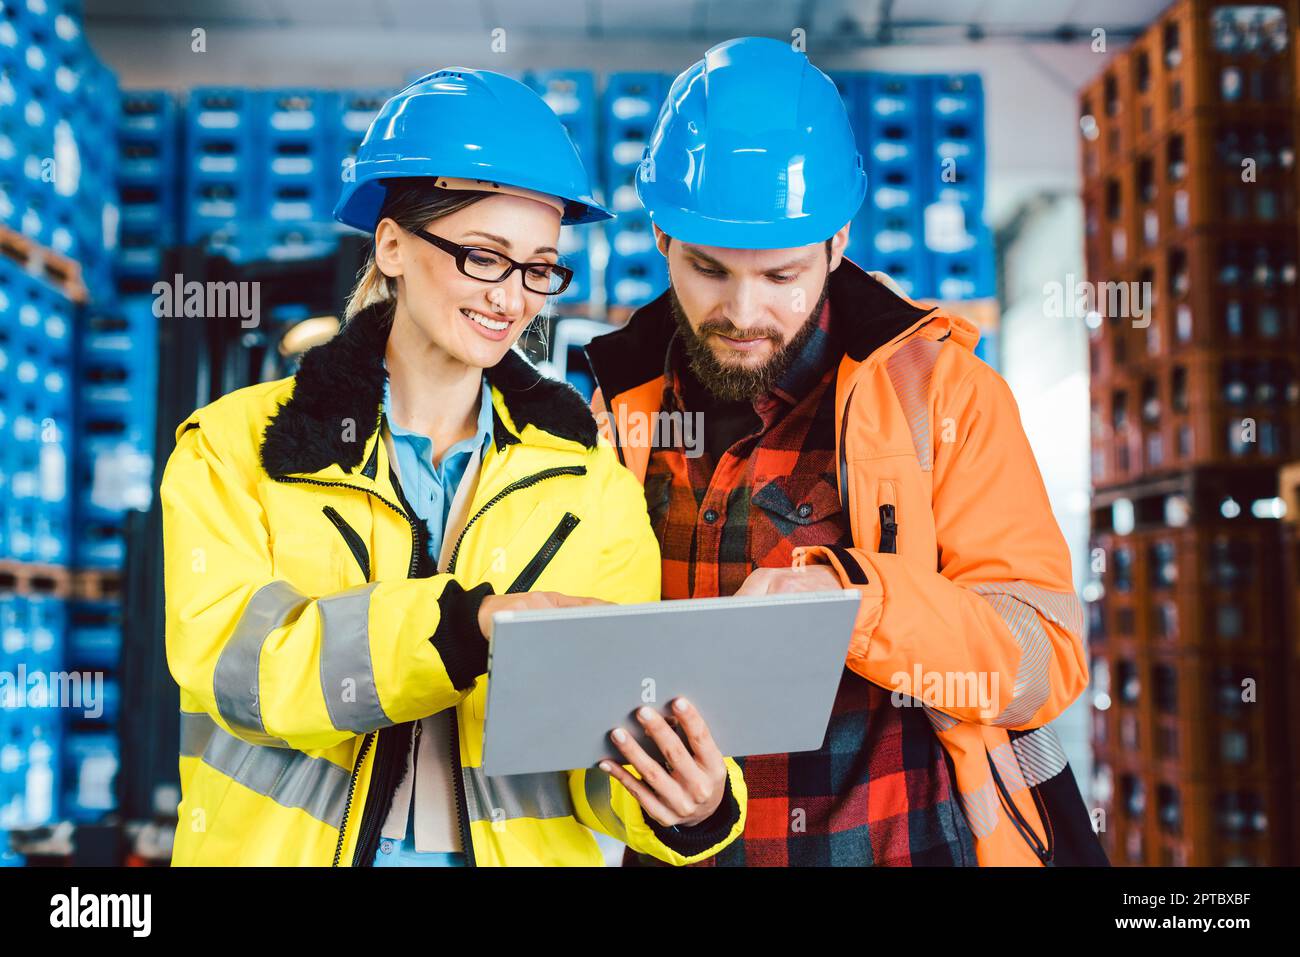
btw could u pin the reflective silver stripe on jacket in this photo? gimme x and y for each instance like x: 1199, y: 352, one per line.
x: 909, y: 370
x: 1040, y: 755
x: 1022, y: 607
x: 289, y: 778
x: 981, y: 808
x: 539, y: 796
x: 235, y: 680
x: 598, y: 788
x: 347, y: 674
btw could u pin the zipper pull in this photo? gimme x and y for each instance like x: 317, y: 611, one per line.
x: 888, y: 529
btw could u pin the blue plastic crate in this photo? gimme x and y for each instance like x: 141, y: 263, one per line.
x: 630, y: 105
x: 956, y: 140
x: 296, y: 127
x: 909, y: 270
x: 634, y: 281
x: 94, y: 635
x: 891, y: 97
x: 148, y: 115
x: 47, y: 624
x: 91, y: 759
x: 222, y: 170
x: 571, y: 94
x: 968, y: 274
x: 354, y: 111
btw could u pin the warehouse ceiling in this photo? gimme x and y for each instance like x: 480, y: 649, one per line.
x: 826, y: 22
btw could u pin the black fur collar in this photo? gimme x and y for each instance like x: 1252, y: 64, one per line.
x: 343, y: 380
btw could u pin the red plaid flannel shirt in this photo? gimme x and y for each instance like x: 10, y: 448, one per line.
x: 880, y: 790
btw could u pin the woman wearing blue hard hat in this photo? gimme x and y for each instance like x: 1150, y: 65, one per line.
x: 338, y: 541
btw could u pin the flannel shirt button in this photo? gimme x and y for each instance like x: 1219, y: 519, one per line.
x: 710, y: 516
x: 386, y: 847
x: 805, y: 510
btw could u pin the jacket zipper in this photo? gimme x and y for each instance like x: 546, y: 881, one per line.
x: 462, y: 814
x: 415, y: 535
x: 888, y: 529
x: 352, y: 786
x: 844, y: 460
x: 1041, y: 851
x: 533, y: 570
x: 351, y: 538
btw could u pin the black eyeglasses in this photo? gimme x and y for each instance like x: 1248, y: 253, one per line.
x: 488, y: 265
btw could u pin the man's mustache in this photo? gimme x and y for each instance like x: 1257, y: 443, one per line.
x: 731, y: 332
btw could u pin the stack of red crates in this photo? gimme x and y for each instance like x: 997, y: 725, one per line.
x: 1190, y: 198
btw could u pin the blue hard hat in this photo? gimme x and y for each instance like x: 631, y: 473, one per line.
x: 753, y: 149
x: 468, y: 124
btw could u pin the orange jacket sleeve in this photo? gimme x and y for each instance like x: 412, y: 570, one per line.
x: 1001, y: 607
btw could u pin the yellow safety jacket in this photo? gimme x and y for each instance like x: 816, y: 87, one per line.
x: 308, y: 631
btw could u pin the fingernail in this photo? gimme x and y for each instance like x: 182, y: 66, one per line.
x: 606, y: 766
x: 682, y: 705
x: 644, y: 714
x: 620, y: 735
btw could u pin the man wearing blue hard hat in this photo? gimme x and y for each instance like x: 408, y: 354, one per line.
x: 851, y: 440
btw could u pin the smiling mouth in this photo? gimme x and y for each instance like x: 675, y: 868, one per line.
x: 487, y: 322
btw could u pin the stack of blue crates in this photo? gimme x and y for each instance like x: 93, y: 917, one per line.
x: 635, y: 272
x: 32, y: 631
x: 221, y: 162
x: 262, y: 167
x: 117, y: 380
x: 571, y: 94
x: 149, y: 187
x: 58, y: 117
x: 36, y: 419
x: 922, y: 140
x: 35, y: 432
x: 962, y: 264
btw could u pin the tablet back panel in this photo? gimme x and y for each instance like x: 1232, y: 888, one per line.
x: 762, y: 671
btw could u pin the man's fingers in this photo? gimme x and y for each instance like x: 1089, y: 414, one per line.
x: 644, y: 796
x: 668, y: 742
x: 698, y: 736
x: 651, y: 771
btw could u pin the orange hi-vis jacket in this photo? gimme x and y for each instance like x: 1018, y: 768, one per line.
x: 964, y: 574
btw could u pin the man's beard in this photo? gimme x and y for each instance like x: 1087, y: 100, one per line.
x: 733, y: 383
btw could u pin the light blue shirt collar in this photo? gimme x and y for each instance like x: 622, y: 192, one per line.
x: 481, y: 438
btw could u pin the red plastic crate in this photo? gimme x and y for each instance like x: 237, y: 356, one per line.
x: 1225, y: 821
x: 1195, y: 75
x: 1229, y: 287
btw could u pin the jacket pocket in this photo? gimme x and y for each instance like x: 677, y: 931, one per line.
x: 798, y: 503
x: 351, y: 538
x: 887, y: 505
x: 537, y: 564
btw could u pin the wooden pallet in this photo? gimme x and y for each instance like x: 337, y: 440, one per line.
x: 97, y: 584
x: 58, y: 270
x: 32, y: 578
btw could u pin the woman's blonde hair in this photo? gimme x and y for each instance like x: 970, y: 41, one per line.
x: 412, y: 203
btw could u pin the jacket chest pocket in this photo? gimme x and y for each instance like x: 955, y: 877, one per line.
x: 515, y: 553
x: 553, y: 542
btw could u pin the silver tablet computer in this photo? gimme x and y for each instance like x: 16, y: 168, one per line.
x: 762, y: 671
